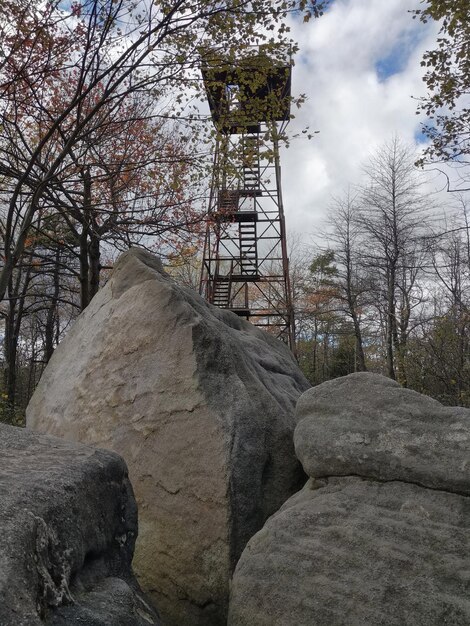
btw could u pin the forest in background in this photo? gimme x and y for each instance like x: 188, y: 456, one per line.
x: 100, y: 150
x: 388, y: 289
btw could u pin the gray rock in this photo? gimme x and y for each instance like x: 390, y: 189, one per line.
x: 367, y: 425
x: 354, y: 552
x: 200, y: 404
x: 384, y: 537
x: 68, y: 523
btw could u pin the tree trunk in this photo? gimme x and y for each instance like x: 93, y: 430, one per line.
x: 94, y: 255
x: 360, y: 363
x: 83, y: 255
x: 10, y: 347
x: 17, y: 294
x: 84, y: 270
x: 49, y: 343
x: 402, y: 345
x: 390, y: 324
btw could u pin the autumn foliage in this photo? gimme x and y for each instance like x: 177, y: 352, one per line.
x: 100, y: 146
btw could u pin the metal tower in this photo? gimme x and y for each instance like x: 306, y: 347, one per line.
x: 245, y: 265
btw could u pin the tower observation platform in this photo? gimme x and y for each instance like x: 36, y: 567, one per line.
x: 245, y: 265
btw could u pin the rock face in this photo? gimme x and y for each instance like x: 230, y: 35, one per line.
x: 367, y: 425
x: 383, y: 537
x: 355, y: 552
x: 200, y: 404
x: 68, y: 523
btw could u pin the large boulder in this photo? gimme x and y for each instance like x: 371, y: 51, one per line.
x: 368, y: 425
x: 68, y: 523
x: 355, y: 552
x: 380, y: 534
x: 201, y: 405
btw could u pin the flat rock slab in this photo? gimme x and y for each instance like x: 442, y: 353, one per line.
x: 68, y: 523
x: 354, y: 552
x: 367, y: 425
x: 201, y: 406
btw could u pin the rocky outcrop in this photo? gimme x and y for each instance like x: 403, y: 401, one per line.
x: 200, y: 404
x: 68, y: 523
x: 348, y: 551
x: 380, y: 534
x: 367, y: 425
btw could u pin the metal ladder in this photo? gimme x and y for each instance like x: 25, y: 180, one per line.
x: 251, y: 166
x: 221, y: 293
x: 248, y: 249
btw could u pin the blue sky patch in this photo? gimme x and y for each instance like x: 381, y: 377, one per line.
x: 394, y: 62
x: 419, y: 136
x: 396, y: 59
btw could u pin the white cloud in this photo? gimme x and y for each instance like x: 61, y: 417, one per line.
x: 354, y: 108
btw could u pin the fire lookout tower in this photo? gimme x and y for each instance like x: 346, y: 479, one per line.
x: 245, y: 264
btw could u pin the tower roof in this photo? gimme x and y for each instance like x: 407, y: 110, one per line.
x: 246, y: 91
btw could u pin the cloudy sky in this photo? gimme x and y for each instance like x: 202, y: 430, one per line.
x: 359, y: 65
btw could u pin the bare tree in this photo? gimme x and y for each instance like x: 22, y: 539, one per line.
x: 393, y: 215
x: 446, y: 337
x: 352, y: 281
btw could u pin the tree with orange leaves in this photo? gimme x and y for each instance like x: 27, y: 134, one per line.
x: 86, y: 92
x: 106, y: 52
